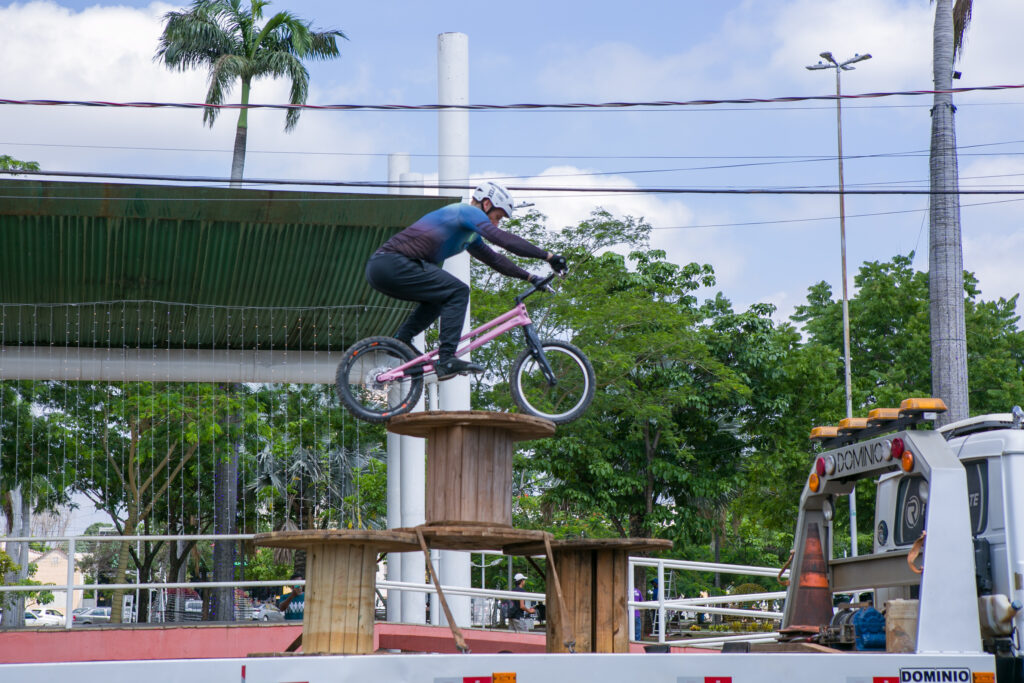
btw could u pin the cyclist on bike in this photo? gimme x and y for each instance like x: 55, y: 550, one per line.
x: 408, y: 267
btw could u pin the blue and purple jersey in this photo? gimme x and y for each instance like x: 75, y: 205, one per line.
x: 456, y: 228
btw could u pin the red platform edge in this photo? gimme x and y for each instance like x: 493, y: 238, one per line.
x: 214, y: 641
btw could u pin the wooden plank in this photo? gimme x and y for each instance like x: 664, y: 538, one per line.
x: 355, y: 598
x: 453, y: 504
x: 629, y: 544
x: 478, y: 537
x: 367, y: 581
x: 583, y: 618
x: 436, y: 475
x: 386, y: 540
x: 460, y: 640
x: 333, y: 563
x: 489, y: 451
x: 500, y: 484
x: 470, y: 493
x: 620, y: 596
x: 348, y: 601
x: 329, y: 564
x: 604, y: 601
x: 502, y: 478
x: 316, y: 610
x: 339, y: 606
x: 521, y: 427
x: 553, y: 641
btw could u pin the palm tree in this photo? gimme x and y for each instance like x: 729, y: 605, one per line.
x: 226, y: 37
x: 945, y: 253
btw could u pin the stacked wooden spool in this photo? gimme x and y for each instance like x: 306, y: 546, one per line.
x: 468, y: 507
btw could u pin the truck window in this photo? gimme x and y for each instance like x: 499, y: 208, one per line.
x: 977, y: 494
x: 910, y: 508
x: 910, y: 511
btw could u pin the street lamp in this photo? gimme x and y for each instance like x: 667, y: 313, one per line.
x: 839, y: 68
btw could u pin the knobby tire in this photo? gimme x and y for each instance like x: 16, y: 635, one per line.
x: 567, y: 400
x: 356, y: 382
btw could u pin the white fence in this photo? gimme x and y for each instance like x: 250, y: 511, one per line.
x: 662, y: 605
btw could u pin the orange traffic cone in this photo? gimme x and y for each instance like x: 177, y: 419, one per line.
x: 813, y: 598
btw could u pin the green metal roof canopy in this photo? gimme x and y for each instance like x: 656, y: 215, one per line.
x: 158, y: 266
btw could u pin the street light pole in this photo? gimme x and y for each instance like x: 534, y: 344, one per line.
x: 839, y: 68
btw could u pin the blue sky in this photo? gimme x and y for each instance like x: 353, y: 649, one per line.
x: 572, y: 51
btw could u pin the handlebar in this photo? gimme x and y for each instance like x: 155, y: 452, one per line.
x: 542, y: 285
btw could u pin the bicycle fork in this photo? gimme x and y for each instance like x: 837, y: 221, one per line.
x: 537, y: 351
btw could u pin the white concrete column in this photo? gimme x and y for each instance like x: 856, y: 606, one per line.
x: 413, y: 457
x: 398, y: 164
x: 414, y: 483
x: 453, y: 169
x: 414, y: 181
x: 394, y: 502
x: 414, y: 605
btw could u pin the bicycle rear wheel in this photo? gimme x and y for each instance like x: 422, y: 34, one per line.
x: 566, y: 399
x: 357, y: 385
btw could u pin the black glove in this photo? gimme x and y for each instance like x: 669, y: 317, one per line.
x: 535, y: 280
x: 558, y: 264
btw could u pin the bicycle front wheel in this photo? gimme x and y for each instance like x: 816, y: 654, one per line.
x: 358, y: 386
x: 563, y: 400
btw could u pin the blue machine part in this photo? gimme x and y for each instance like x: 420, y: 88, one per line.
x: 869, y: 628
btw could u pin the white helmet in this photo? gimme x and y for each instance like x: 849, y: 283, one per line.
x: 498, y: 195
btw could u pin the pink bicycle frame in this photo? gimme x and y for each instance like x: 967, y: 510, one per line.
x: 517, y: 317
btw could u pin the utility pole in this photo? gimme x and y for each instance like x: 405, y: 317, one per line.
x: 839, y: 68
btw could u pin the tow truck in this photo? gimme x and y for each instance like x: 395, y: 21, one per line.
x: 947, y: 544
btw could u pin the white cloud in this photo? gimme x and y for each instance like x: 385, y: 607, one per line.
x: 898, y: 35
x: 106, y: 53
x: 669, y: 215
x: 993, y: 231
x: 760, y: 46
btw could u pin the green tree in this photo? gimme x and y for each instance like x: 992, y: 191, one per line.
x: 28, y: 433
x: 8, y: 163
x: 891, y: 354
x: 226, y: 37
x: 891, y: 362
x: 136, y: 439
x: 660, y: 451
x: 316, y: 467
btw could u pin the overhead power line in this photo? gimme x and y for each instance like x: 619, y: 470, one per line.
x: 485, y: 107
x: 753, y: 159
x: 520, y: 188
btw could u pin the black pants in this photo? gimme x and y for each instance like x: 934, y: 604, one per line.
x: 439, y: 294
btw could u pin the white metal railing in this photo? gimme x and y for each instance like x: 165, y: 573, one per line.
x: 662, y: 605
x: 688, y: 604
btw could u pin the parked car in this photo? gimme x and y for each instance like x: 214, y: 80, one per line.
x: 268, y: 611
x: 193, y: 610
x: 31, y: 619
x: 94, y: 615
x: 47, y: 616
